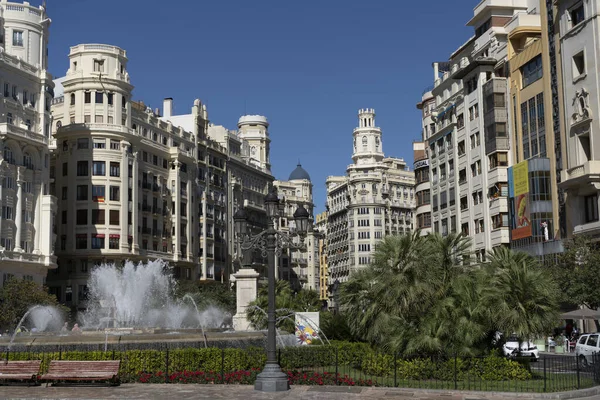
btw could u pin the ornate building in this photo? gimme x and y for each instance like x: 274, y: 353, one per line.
x: 126, y: 179
x: 28, y: 208
x: 374, y: 199
x: 300, y: 268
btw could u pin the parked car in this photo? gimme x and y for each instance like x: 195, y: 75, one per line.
x: 586, y: 346
x: 528, y: 349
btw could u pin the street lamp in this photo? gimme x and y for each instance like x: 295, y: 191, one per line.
x: 271, y: 242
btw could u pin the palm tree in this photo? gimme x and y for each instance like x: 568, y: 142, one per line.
x: 383, y: 300
x: 522, y: 295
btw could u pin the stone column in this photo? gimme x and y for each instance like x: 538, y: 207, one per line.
x: 2, y: 175
x: 18, y: 211
x: 124, y: 199
x: 37, y: 213
x: 135, y: 191
x: 246, y: 282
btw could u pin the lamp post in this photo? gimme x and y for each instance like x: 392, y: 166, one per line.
x: 271, y: 242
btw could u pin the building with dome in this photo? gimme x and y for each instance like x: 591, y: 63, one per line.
x: 300, y: 268
x: 375, y: 198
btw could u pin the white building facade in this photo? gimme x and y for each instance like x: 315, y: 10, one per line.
x: 376, y: 198
x: 301, y: 268
x: 125, y: 178
x: 579, y: 44
x: 28, y: 208
x: 469, y: 146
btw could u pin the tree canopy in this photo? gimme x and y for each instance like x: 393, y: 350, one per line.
x: 577, y: 273
x: 425, y: 295
x: 17, y: 296
x: 286, y: 302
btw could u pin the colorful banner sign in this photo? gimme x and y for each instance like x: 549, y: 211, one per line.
x: 307, y: 327
x: 519, y: 191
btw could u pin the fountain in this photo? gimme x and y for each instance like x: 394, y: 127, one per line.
x: 134, y: 307
x: 141, y: 296
x: 42, y: 318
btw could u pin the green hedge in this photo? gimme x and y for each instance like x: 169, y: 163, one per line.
x: 358, y: 356
x: 490, y: 368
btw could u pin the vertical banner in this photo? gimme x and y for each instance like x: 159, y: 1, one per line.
x: 520, y: 201
x: 307, y: 327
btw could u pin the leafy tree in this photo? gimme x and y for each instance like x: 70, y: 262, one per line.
x: 423, y: 294
x: 208, y: 293
x: 17, y: 296
x: 286, y: 303
x: 522, y: 296
x: 577, y: 273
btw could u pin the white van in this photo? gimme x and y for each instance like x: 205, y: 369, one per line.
x: 587, y: 345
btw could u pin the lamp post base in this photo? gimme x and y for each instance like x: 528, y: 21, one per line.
x: 272, y: 379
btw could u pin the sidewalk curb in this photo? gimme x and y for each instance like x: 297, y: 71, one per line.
x: 575, y: 394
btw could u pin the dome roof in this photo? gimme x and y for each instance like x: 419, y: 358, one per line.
x: 299, y: 173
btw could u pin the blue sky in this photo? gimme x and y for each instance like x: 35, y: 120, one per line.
x: 306, y: 65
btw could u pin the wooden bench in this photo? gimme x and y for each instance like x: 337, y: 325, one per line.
x: 82, y: 372
x: 11, y: 371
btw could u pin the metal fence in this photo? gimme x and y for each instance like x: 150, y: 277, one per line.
x: 339, y: 365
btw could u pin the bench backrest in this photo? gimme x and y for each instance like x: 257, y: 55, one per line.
x: 60, y: 367
x: 20, y: 367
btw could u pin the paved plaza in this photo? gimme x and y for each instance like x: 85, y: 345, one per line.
x: 245, y: 392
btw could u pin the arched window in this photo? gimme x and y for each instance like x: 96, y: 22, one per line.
x: 8, y: 155
x: 58, y: 125
x: 134, y: 127
x: 27, y: 161
x: 364, y: 141
x: 72, y: 99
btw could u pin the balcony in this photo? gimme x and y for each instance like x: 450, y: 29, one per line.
x: 523, y: 22
x: 497, y: 144
x: 147, y: 185
x: 498, y: 205
x: 500, y: 236
x: 582, y: 174
x: 146, y: 208
x: 156, y: 210
x: 498, y: 174
x: 22, y: 133
x: 146, y: 230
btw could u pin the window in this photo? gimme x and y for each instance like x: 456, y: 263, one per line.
x: 98, y: 65
x: 87, y: 97
x: 72, y: 99
x: 114, y: 217
x: 82, y: 217
x: 97, y: 241
x: 64, y: 193
x: 460, y: 121
x: 98, y: 192
x: 591, y: 208
x: 115, y: 169
x: 99, y: 168
x: 98, y: 217
x: 498, y: 160
x: 578, y: 65
x: 83, y: 143
x: 99, y: 97
x: 82, y: 192
x: 82, y: 168
x: 81, y: 241
x: 500, y: 220
x: 461, y: 148
x: 7, y: 212
x: 17, y: 38
x: 14, y: 92
x: 24, y: 97
x: 532, y: 71
x: 109, y: 98
x: 115, y: 193
x: 576, y: 14
x: 464, y: 228
x: 99, y: 143
x: 9, y: 118
x: 113, y: 242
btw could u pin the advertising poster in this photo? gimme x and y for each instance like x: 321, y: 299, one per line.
x: 520, y: 202
x: 307, y: 327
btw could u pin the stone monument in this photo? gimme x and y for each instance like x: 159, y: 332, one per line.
x: 246, y: 281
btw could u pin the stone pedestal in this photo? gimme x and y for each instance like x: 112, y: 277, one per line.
x: 246, y: 282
